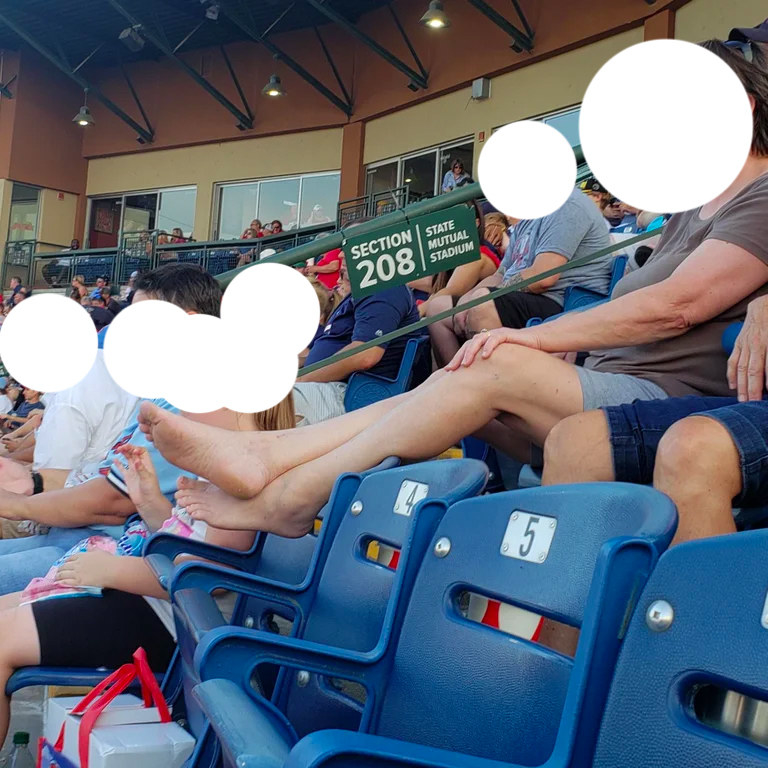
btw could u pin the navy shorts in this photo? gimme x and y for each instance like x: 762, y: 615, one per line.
x: 637, y: 428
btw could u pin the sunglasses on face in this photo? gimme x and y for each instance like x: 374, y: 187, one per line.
x: 745, y: 48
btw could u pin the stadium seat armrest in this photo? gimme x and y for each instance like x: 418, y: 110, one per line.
x: 231, y: 653
x: 326, y: 747
x: 209, y: 576
x: 162, y: 567
x: 172, y: 546
x: 198, y: 611
x: 251, y: 734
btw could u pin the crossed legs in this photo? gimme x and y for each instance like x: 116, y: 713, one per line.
x: 286, y: 477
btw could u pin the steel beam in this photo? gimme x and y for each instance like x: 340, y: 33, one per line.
x: 520, y: 40
x: 289, y: 62
x: 417, y: 80
x: 143, y: 133
x: 243, y: 120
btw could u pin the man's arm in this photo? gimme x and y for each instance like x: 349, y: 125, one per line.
x: 542, y: 263
x: 96, y: 502
x: 344, y: 368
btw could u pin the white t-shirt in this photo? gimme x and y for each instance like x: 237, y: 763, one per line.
x: 83, y: 422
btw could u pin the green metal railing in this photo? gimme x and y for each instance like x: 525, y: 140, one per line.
x: 457, y: 197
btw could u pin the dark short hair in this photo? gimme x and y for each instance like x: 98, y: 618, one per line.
x: 16, y: 278
x: 186, y: 285
x: 754, y: 77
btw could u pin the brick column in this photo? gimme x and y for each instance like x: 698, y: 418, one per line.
x: 352, y: 170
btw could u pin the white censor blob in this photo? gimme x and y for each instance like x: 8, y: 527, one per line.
x: 48, y: 342
x: 527, y: 169
x: 140, y: 348
x: 678, y: 138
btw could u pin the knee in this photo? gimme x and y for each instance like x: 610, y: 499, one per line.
x: 481, y: 317
x: 695, y: 452
x: 577, y: 449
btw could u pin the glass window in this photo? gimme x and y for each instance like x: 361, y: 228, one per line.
x: 464, y: 153
x: 24, y: 209
x: 382, y: 178
x: 139, y: 213
x: 319, y: 198
x: 568, y: 124
x: 176, y: 210
x: 279, y: 199
x: 238, y: 204
x: 419, y: 175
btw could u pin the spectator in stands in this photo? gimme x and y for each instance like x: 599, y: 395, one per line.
x: 455, y: 177
x: 20, y: 295
x: 79, y: 291
x: 97, y: 309
x: 447, y: 292
x: 130, y: 288
x: 22, y: 411
x: 94, y: 497
x: 177, y: 236
x: 6, y: 406
x: 659, y: 337
x: 110, y: 302
x: 276, y: 227
x: 15, y: 288
x: 163, y: 238
x: 535, y: 246
x: 327, y: 268
x: 64, y: 632
x: 317, y: 217
x: 254, y: 229
x: 320, y: 395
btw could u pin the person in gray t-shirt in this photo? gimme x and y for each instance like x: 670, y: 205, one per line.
x: 576, y: 229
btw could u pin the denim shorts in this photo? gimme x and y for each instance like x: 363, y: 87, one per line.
x: 637, y: 428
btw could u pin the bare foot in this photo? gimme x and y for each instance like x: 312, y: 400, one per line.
x: 210, y: 504
x: 234, y: 461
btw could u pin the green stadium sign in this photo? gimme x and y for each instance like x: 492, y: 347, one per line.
x: 423, y: 246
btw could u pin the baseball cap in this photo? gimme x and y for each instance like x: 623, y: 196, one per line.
x: 134, y: 274
x: 758, y: 34
x: 592, y: 185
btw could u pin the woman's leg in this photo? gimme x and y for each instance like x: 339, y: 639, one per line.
x: 537, y: 389
x: 19, y: 647
x: 445, y: 343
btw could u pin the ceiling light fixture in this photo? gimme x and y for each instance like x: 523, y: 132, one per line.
x: 131, y: 38
x: 274, y: 87
x: 435, y: 17
x: 84, y: 116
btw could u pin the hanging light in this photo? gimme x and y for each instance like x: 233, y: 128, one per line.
x: 274, y: 87
x: 435, y: 16
x: 84, y: 116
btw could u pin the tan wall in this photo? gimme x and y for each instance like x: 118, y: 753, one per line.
x: 542, y: 87
x: 207, y: 165
x: 57, y: 217
x: 705, y: 19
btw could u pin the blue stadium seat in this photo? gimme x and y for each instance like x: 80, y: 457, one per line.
x: 366, y: 388
x: 678, y: 695
x: 344, y: 605
x: 450, y: 691
x: 577, y: 297
x: 291, y: 563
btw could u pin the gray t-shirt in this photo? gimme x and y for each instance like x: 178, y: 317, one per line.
x: 574, y: 230
x: 695, y: 362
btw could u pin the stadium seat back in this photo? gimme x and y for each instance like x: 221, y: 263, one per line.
x: 353, y: 591
x: 690, y: 687
x: 561, y: 552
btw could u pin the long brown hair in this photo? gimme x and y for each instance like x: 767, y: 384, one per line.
x: 281, y: 416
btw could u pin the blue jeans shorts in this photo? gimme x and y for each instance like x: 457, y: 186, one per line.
x: 637, y: 428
